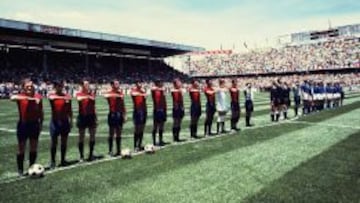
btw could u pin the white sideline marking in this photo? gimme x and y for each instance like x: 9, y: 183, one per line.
x: 326, y: 124
x: 143, y: 152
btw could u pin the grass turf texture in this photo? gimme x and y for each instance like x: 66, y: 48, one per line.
x: 292, y: 161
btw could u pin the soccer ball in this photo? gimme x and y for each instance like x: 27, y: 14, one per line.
x: 126, y: 153
x: 149, y: 149
x: 36, y: 171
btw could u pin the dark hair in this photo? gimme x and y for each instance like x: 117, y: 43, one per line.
x: 24, y: 81
x: 57, y: 83
x: 157, y: 82
x: 112, y: 82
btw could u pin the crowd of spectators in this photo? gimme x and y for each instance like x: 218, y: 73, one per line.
x: 294, y: 60
x: 332, y: 54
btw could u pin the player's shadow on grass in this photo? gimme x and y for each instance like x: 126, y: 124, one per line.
x: 332, y: 176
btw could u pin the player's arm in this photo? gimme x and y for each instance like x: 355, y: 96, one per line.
x: 108, y: 95
x: 17, y: 97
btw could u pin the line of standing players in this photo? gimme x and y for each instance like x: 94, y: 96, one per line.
x: 313, y: 95
x: 31, y: 115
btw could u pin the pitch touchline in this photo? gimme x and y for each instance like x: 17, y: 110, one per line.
x: 143, y: 152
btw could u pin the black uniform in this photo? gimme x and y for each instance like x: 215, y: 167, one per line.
x: 297, y: 99
x: 249, y: 106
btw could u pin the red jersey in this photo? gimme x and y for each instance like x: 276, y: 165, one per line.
x: 177, y: 97
x: 60, y: 107
x: 158, y: 97
x: 116, y: 103
x: 194, y: 95
x: 30, y: 110
x: 139, y: 99
x: 210, y: 94
x: 86, y: 106
x: 234, y: 94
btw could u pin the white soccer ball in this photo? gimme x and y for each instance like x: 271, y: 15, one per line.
x: 36, y: 171
x: 149, y: 149
x: 126, y: 153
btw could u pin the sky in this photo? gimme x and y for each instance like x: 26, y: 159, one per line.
x: 206, y: 23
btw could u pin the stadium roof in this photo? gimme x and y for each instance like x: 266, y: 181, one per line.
x: 53, y: 37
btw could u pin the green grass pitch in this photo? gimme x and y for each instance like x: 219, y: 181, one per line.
x: 315, y: 158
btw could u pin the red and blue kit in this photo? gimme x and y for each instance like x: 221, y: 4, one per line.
x: 234, y: 95
x: 61, y: 114
x: 87, y: 113
x: 178, y: 103
x: 195, y: 102
x: 158, y: 96
x: 116, y: 114
x: 210, y: 104
x: 30, y: 115
x: 139, y: 99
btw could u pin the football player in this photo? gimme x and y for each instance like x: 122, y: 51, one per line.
x: 61, y: 121
x: 297, y: 98
x: 195, y: 111
x: 30, y: 122
x: 178, y: 108
x: 159, y: 100
x: 285, y: 99
x: 116, y: 116
x: 87, y: 118
x: 249, y: 106
x: 235, y: 104
x: 274, y: 102
x: 222, y: 105
x: 139, y: 95
x: 209, y: 92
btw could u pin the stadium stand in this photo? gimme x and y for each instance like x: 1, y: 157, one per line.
x: 340, y: 53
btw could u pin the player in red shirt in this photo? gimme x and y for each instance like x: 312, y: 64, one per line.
x: 138, y: 95
x: 209, y: 92
x: 159, y: 115
x: 30, y: 122
x: 86, y: 118
x: 195, y: 112
x: 61, y: 121
x: 178, y: 108
x: 116, y: 116
x: 235, y: 104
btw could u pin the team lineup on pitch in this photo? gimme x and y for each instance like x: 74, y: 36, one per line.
x: 185, y: 131
x: 180, y: 101
x: 334, y: 119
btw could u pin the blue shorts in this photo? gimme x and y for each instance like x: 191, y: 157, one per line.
x: 159, y: 116
x: 210, y: 109
x: 139, y: 117
x: 178, y: 113
x: 195, y: 111
x: 287, y: 102
x: 86, y: 121
x: 28, y: 130
x: 59, y: 127
x: 297, y: 100
x: 249, y: 106
x: 115, y: 119
x: 235, y: 106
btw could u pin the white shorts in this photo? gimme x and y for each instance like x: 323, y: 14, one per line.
x: 316, y: 97
x: 329, y: 96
